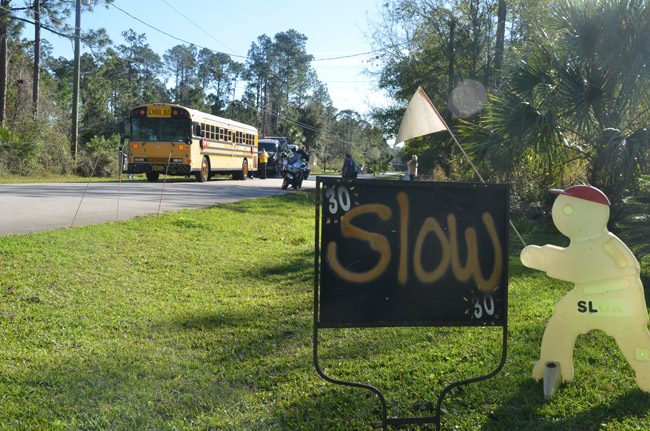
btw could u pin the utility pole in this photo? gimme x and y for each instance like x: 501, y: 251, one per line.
x: 37, y: 56
x: 4, y: 24
x: 75, y: 85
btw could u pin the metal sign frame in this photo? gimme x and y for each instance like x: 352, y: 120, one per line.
x: 387, y: 421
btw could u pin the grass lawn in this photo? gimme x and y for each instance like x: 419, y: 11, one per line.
x: 202, y: 320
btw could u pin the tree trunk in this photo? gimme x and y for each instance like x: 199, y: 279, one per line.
x: 266, y: 115
x: 498, y: 50
x: 452, y: 54
x: 4, y: 24
x: 37, y: 56
x: 476, y: 30
x: 232, y: 102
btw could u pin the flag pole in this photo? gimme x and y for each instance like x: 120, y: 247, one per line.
x: 512, y: 225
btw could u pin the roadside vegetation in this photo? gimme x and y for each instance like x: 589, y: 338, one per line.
x: 49, y: 178
x: 283, y: 96
x: 202, y: 319
x: 540, y: 93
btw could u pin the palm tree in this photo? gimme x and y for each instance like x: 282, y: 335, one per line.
x: 581, y: 94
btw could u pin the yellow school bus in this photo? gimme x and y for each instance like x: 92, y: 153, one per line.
x: 174, y: 140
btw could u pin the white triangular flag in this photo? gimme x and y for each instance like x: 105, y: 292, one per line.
x: 420, y: 118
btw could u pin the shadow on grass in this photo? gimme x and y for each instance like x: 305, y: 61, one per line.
x: 119, y: 391
x: 192, y: 368
x: 240, y: 318
x: 521, y: 411
x: 293, y: 266
x: 332, y: 408
x: 282, y: 204
x: 246, y: 341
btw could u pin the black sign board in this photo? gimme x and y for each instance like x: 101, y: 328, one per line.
x: 395, y: 253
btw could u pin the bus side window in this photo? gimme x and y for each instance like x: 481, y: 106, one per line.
x: 197, y: 129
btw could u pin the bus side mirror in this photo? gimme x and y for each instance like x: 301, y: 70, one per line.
x: 188, y: 141
x: 125, y: 129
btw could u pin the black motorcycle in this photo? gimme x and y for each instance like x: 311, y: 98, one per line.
x: 294, y: 171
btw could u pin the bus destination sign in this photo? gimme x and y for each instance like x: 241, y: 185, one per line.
x: 412, y: 254
x: 159, y: 111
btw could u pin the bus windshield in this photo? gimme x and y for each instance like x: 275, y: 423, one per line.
x: 160, y: 129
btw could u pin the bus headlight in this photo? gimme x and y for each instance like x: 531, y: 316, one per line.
x: 177, y: 160
x: 138, y: 159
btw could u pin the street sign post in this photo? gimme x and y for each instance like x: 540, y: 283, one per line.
x: 390, y: 253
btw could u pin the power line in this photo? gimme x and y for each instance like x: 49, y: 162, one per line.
x: 9, y: 13
x: 44, y: 26
x: 67, y: 36
x: 168, y: 34
x: 198, y: 26
x: 278, y: 115
x: 348, y: 81
x: 385, y: 48
x: 308, y: 127
x: 245, y: 57
x: 283, y: 118
x: 237, y: 55
x: 233, y: 55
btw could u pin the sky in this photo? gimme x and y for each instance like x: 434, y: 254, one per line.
x: 334, y: 28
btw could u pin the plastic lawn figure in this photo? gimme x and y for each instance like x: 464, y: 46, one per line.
x: 608, y: 294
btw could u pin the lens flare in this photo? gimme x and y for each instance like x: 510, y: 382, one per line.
x: 467, y: 99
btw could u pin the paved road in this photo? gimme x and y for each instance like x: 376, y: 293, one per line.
x: 37, y: 207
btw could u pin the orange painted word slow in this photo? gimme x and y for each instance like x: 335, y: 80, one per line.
x: 449, y: 244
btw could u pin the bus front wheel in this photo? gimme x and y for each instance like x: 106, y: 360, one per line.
x: 204, y: 174
x: 152, y: 176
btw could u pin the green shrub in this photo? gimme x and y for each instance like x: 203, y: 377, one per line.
x: 379, y: 164
x: 30, y: 147
x: 55, y: 155
x: 19, y: 155
x: 98, y: 158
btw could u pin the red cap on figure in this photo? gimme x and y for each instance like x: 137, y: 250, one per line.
x: 584, y: 191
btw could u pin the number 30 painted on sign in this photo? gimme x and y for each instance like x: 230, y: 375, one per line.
x: 487, y: 305
x: 343, y: 201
